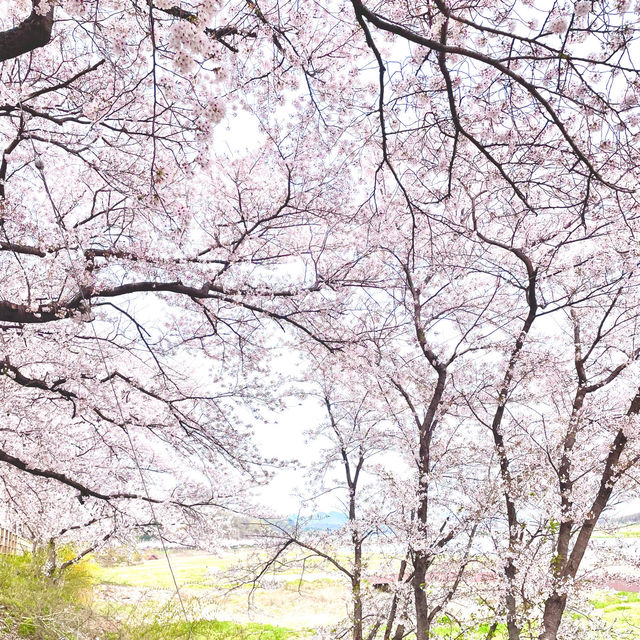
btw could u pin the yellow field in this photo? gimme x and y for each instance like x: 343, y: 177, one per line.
x: 286, y: 602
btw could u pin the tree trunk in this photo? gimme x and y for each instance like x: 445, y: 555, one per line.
x: 50, y: 565
x: 553, y: 610
x: 30, y: 34
x: 357, y: 608
x: 556, y: 603
x: 394, y: 606
x: 512, y: 620
x: 356, y: 580
x: 420, y: 565
x: 399, y: 634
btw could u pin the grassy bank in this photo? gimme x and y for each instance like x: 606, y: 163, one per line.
x: 34, y: 605
x: 71, y: 605
x: 138, y: 602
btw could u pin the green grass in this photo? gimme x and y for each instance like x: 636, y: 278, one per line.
x: 133, y: 593
x: 212, y: 630
x: 448, y: 628
x: 195, y: 571
x: 36, y: 606
x: 632, y: 531
x: 622, y: 609
x: 608, y: 599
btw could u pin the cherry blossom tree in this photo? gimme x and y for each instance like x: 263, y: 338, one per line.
x: 562, y: 447
x: 354, y: 472
x: 514, y: 127
x: 350, y: 437
x: 140, y: 266
x: 446, y: 192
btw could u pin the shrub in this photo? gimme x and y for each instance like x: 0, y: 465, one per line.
x: 34, y: 605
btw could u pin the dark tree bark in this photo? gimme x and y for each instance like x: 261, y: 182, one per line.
x: 422, y: 559
x: 30, y: 34
x: 557, y: 602
x: 566, y: 561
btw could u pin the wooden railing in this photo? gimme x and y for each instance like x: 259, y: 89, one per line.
x: 12, y: 543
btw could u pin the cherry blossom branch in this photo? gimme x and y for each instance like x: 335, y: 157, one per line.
x: 391, y: 27
x: 83, y: 489
x: 32, y: 33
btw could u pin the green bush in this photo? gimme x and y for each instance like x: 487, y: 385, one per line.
x: 27, y: 628
x: 36, y: 606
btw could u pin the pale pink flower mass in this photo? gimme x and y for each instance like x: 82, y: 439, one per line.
x: 416, y: 220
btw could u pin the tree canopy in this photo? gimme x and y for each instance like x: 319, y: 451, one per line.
x: 433, y: 202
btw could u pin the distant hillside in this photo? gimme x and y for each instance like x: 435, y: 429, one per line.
x: 631, y: 518
x: 321, y: 521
